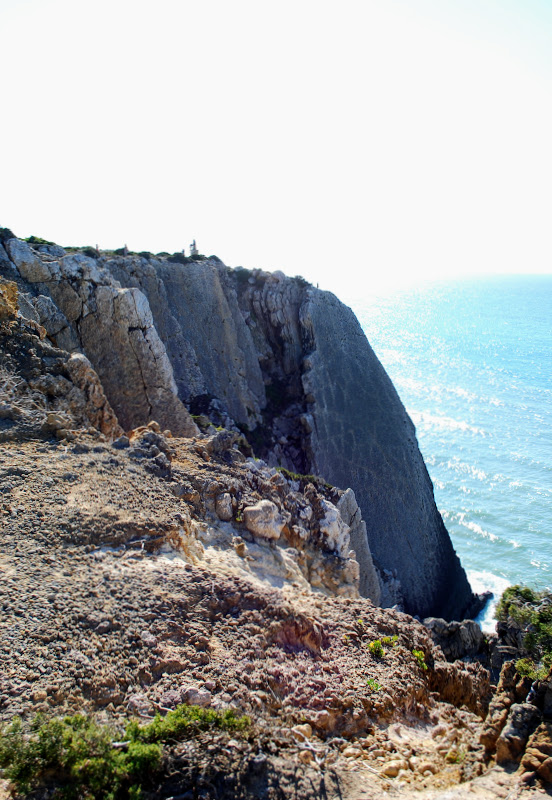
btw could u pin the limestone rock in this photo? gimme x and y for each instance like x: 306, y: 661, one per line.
x: 30, y: 266
x: 122, y: 343
x: 363, y: 438
x: 264, y: 519
x: 91, y: 400
x: 287, y: 362
x: 456, y: 639
x: 8, y: 300
x: 369, y: 585
x: 196, y: 697
x: 55, y: 323
x: 523, y: 719
x: 334, y: 531
x: 223, y: 507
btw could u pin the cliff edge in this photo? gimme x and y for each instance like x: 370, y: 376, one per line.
x: 271, y: 356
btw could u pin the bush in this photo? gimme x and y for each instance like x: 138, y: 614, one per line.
x: 179, y: 258
x: 532, y: 612
x: 83, y: 760
x: 78, y: 755
x: 183, y: 722
x: 420, y: 658
x: 376, y: 649
x: 91, y: 252
x: 37, y: 240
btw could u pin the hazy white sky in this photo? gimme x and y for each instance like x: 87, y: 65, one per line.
x: 350, y: 142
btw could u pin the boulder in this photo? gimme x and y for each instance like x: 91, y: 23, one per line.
x: 523, y: 719
x: 456, y: 639
x: 264, y: 519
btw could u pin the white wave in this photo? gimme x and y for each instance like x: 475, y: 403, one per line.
x: 475, y: 528
x: 444, y: 423
x: 488, y: 582
x: 466, y: 469
x: 514, y: 544
x: 458, y: 391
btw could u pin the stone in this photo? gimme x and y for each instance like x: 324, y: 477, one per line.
x: 334, y: 532
x: 302, y: 732
x: 91, y: 401
x: 456, y: 639
x: 264, y: 519
x: 56, y: 324
x: 223, y: 507
x: 392, y: 768
x: 523, y: 719
x: 369, y: 585
x: 8, y: 300
x: 140, y: 704
x: 29, y: 265
x: 196, y: 697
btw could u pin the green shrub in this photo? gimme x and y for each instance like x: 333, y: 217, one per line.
x: 532, y: 612
x: 78, y: 755
x: 373, y: 685
x: 91, y: 252
x: 183, y: 722
x: 80, y: 758
x: 376, y: 649
x: 420, y: 658
x: 178, y: 258
x: 37, y: 240
x: 390, y: 641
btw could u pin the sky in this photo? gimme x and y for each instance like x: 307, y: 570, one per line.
x: 357, y: 143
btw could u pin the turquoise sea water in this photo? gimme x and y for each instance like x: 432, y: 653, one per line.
x: 472, y: 362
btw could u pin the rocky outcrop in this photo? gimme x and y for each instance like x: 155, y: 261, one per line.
x: 82, y: 307
x: 456, y: 639
x: 286, y: 364
x: 44, y: 389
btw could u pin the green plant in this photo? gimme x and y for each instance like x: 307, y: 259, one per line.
x: 531, y: 612
x: 183, y: 722
x: 81, y: 759
x: 300, y: 478
x: 420, y: 658
x: 390, y: 641
x: 37, y: 240
x: 526, y: 667
x: 178, y: 258
x: 91, y: 252
x: 373, y: 685
x: 78, y: 755
x: 376, y: 649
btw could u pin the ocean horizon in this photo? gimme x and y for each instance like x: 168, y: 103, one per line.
x: 471, y: 362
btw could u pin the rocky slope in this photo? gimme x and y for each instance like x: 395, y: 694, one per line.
x: 286, y: 364
x: 142, y: 570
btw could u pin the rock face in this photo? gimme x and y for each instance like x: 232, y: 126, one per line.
x: 286, y: 364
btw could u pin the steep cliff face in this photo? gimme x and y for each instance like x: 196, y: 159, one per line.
x: 286, y: 363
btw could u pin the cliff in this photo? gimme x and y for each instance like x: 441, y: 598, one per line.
x: 144, y: 573
x: 286, y: 364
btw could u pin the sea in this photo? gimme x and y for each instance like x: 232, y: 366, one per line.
x: 471, y: 360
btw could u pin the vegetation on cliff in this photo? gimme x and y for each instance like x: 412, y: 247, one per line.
x: 525, y: 616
